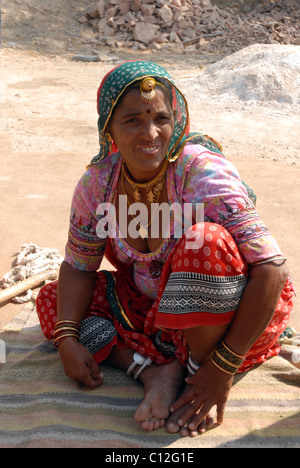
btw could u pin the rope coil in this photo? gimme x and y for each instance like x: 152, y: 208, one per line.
x: 31, y: 261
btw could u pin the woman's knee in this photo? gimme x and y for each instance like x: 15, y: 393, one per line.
x: 206, y: 281
x: 46, y: 308
x: 210, y: 248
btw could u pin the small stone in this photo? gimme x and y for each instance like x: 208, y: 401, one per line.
x: 145, y: 32
x: 165, y: 13
x: 85, y: 58
x: 83, y: 19
x: 147, y: 10
x: 155, y: 47
x: 92, y: 11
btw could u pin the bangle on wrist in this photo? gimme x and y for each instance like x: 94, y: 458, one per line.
x: 226, y: 359
x: 61, y: 337
x: 65, y: 329
x: 67, y: 323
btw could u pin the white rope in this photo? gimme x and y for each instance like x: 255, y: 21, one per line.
x: 31, y: 261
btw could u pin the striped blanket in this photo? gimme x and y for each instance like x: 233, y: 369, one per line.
x: 40, y: 407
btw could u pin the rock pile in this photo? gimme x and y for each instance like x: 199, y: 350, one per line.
x: 196, y: 24
x: 259, y: 74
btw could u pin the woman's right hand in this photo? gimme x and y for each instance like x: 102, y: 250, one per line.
x: 79, y: 364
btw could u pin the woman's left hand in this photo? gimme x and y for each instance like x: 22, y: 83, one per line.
x: 208, y: 387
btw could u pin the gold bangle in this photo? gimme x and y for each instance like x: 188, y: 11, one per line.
x: 65, y: 329
x: 218, y: 355
x: 225, y: 359
x: 221, y: 368
x: 65, y: 322
x: 55, y: 342
x: 232, y: 352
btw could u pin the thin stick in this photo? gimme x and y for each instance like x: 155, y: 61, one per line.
x: 30, y: 283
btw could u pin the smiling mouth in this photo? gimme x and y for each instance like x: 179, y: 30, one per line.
x: 148, y: 149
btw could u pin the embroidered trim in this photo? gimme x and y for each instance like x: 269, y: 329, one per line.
x: 96, y: 333
x: 188, y: 292
x: 115, y: 303
x: 167, y: 349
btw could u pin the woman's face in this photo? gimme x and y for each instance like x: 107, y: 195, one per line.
x: 142, y: 132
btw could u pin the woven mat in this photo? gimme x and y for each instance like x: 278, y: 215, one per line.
x: 41, y: 408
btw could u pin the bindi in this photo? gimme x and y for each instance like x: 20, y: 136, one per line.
x: 148, y: 111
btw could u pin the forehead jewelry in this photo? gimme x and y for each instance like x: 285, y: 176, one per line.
x: 147, y: 90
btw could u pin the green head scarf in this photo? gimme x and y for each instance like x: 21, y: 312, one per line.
x: 116, y: 82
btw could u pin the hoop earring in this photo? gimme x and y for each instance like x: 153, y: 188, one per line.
x: 108, y: 137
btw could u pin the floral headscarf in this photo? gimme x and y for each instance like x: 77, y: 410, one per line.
x: 115, y: 83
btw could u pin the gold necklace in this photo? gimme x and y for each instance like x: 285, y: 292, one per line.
x: 143, y: 230
x: 153, y: 187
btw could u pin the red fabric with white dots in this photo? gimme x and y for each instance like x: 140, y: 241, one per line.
x: 207, y: 250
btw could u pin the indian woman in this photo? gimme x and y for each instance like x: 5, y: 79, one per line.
x: 198, y: 290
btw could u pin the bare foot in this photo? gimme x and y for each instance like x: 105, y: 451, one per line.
x: 161, y: 385
x: 173, y: 423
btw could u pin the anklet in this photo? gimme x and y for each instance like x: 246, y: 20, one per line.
x: 192, y: 366
x: 138, y: 360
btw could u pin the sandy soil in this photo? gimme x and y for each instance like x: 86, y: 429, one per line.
x: 48, y: 134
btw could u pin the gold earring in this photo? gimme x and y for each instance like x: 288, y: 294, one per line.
x: 108, y: 137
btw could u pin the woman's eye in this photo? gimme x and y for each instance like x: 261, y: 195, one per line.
x: 132, y: 120
x: 163, y: 118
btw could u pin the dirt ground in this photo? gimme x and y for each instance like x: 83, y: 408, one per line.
x: 48, y: 134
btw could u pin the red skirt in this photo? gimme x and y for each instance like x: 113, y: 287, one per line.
x: 201, y: 284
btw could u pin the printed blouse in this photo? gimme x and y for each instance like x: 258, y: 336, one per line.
x: 198, y: 178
